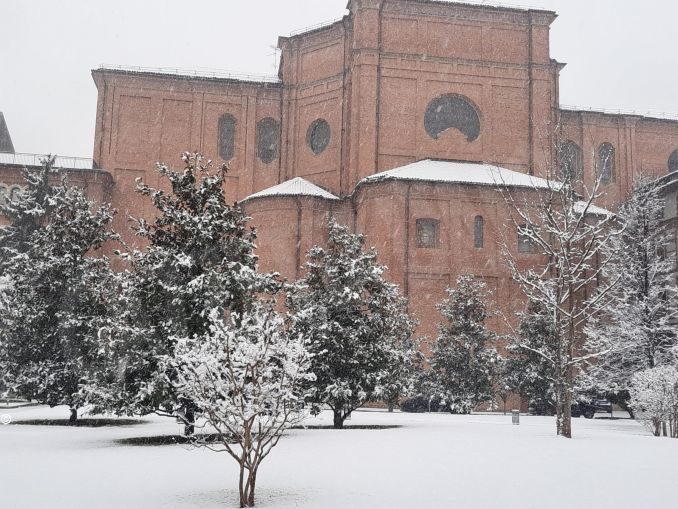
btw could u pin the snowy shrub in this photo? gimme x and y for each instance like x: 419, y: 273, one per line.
x: 247, y: 378
x: 654, y: 397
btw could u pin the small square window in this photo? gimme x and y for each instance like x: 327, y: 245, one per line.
x: 428, y: 233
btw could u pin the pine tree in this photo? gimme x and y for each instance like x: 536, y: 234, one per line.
x: 638, y: 330
x: 200, y: 257
x: 56, y: 299
x: 530, y: 363
x: 464, y: 361
x: 356, y: 323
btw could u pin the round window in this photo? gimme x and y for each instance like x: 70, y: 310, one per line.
x: 318, y: 136
x: 452, y: 112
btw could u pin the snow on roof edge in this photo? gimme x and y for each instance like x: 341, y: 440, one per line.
x: 294, y: 187
x: 460, y: 172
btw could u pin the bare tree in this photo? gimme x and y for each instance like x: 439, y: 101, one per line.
x: 248, y: 378
x: 560, y: 222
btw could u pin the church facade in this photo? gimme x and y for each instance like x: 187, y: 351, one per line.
x: 394, y: 120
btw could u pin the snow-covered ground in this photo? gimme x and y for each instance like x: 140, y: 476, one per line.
x: 432, y: 461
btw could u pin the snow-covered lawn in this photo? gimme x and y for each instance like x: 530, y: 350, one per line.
x: 432, y: 461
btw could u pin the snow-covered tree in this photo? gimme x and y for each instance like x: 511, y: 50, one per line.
x: 530, y: 363
x: 199, y: 257
x: 57, y: 297
x: 567, y: 235
x: 31, y: 212
x: 248, y: 377
x: 464, y: 361
x: 404, y: 374
x: 654, y: 397
x: 356, y: 323
x: 638, y: 330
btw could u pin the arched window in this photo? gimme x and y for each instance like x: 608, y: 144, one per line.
x: 571, y: 162
x: 479, y: 232
x: 428, y: 231
x: 452, y: 112
x: 268, y: 134
x: 226, y: 137
x: 673, y: 162
x: 606, y: 163
x: 318, y: 136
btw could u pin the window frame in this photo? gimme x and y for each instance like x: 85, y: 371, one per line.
x: 226, y: 122
x: 421, y: 224
x: 525, y: 245
x: 608, y: 173
x: 262, y: 154
x: 479, y: 232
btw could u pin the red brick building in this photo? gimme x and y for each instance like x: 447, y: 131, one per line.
x: 394, y: 83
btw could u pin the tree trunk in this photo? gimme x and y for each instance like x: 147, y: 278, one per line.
x: 391, y: 406
x: 338, y: 419
x: 252, y: 481
x: 189, y: 419
x: 247, y: 485
x: 566, y: 429
x: 73, y: 419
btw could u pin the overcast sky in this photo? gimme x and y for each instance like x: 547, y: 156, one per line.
x: 620, y: 53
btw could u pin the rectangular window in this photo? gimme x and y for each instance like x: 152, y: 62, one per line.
x: 427, y: 233
x: 525, y: 244
x: 479, y: 232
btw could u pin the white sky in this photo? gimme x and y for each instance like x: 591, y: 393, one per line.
x: 620, y: 53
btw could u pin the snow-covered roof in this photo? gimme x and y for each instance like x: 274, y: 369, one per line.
x: 593, y: 209
x: 295, y: 187
x: 70, y: 163
x: 429, y: 170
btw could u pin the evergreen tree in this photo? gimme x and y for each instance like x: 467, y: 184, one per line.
x: 56, y: 297
x: 199, y: 257
x: 355, y: 321
x: 529, y: 366
x: 638, y: 330
x: 464, y: 360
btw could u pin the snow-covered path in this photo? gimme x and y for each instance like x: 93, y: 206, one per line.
x: 439, y: 460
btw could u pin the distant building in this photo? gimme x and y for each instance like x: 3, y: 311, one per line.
x: 393, y: 119
x: 5, y: 139
x: 81, y: 172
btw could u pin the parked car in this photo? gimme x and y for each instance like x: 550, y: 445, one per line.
x: 589, y: 408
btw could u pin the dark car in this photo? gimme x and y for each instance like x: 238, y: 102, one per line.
x: 589, y: 408
x: 586, y: 408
